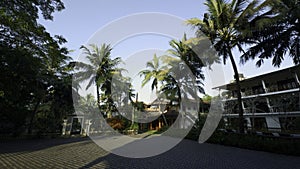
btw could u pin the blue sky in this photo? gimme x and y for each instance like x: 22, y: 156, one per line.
x: 81, y: 19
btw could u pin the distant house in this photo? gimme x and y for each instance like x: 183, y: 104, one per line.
x: 270, y: 101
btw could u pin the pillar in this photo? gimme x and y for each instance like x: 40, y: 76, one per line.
x: 267, y: 99
x: 64, y: 127
x: 159, y: 123
x: 248, y: 123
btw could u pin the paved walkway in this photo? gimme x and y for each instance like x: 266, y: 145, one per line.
x: 83, y: 153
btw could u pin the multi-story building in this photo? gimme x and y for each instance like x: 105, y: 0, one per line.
x: 270, y: 101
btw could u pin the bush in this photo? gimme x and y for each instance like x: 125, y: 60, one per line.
x: 268, y: 143
x: 288, y: 146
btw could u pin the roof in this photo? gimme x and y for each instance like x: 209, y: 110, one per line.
x: 272, y: 75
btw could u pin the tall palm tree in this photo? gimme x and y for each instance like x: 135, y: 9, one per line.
x: 180, y: 82
x: 183, y: 51
x: 223, y: 25
x: 154, y: 71
x: 100, y: 70
x: 184, y: 79
x: 279, y: 36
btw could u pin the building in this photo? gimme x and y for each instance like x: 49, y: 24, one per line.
x: 179, y: 116
x: 270, y: 101
x: 157, y: 115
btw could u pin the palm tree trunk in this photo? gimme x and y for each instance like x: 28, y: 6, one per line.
x: 98, y: 96
x: 239, y: 96
x: 164, y: 117
x: 159, y: 107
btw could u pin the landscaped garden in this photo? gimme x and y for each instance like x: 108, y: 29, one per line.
x: 41, y: 82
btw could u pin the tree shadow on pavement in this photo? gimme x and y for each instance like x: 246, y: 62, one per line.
x: 28, y: 145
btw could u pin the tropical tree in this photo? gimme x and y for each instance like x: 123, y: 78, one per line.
x: 223, y: 25
x: 100, y: 71
x: 279, y: 36
x: 185, y: 54
x: 32, y: 63
x: 88, y: 103
x: 155, y: 72
x: 92, y: 71
x: 207, y: 98
x: 180, y: 84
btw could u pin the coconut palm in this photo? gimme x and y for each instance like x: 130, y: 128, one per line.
x: 89, y: 104
x: 223, y: 25
x: 154, y: 71
x: 278, y: 38
x: 100, y: 69
x: 188, y: 56
x: 180, y: 82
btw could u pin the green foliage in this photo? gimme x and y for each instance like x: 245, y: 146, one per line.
x: 178, y: 73
x: 196, y: 129
x: 224, y: 26
x: 155, y: 71
x: 33, y: 67
x: 185, y: 69
x: 102, y: 71
x: 207, y: 98
x: 134, y: 126
x: 289, y: 146
x: 277, y: 35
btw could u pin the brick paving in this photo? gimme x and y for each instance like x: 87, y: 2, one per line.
x: 83, y: 153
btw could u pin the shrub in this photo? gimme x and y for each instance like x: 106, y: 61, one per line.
x: 289, y: 146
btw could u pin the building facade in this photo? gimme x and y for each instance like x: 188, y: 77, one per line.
x: 270, y: 101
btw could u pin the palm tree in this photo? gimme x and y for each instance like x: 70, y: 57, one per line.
x: 180, y: 84
x: 184, y: 53
x: 99, y: 71
x: 185, y: 76
x: 156, y: 72
x: 223, y: 25
x: 89, y: 104
x: 278, y: 36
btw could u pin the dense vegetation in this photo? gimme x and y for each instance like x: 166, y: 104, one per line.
x: 36, y: 71
x: 35, y: 80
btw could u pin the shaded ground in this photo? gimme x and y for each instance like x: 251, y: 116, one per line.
x: 83, y: 153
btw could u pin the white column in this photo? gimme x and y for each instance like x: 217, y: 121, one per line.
x: 64, y: 127
x: 267, y: 99
x: 264, y: 86
x: 297, y: 79
x: 87, y: 126
x: 248, y: 122
x: 81, y: 121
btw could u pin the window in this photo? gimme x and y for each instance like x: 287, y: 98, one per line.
x: 286, y: 84
x: 258, y: 89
